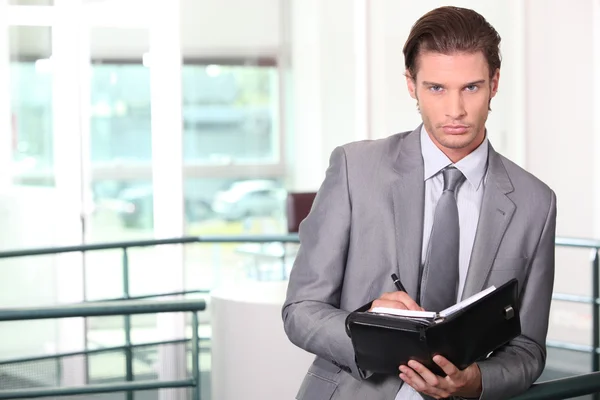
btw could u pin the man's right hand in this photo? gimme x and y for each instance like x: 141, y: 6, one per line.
x: 400, y: 300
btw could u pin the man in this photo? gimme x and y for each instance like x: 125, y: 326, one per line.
x: 380, y: 210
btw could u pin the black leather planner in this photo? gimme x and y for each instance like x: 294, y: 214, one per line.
x: 382, y: 341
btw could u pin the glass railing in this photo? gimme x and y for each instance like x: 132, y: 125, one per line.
x: 36, y: 377
x: 572, y: 352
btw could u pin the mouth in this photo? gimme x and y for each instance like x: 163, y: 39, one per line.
x: 455, y: 129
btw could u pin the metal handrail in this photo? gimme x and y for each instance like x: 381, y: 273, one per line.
x: 577, y: 242
x: 111, y: 308
x: 102, y: 309
x: 90, y: 352
x: 124, y: 246
x: 289, y: 238
x: 96, y: 389
x: 153, y: 296
x: 564, y: 388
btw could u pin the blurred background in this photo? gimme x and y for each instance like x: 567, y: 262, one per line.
x: 125, y: 120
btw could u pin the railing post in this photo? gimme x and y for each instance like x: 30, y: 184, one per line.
x: 196, y: 355
x: 595, y: 316
x: 595, y: 311
x: 59, y: 371
x: 127, y: 325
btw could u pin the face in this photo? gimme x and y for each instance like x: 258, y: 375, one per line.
x: 453, y: 92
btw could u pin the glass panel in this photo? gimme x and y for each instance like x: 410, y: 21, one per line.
x: 573, y: 271
x: 570, y: 322
x: 123, y: 210
x: 243, y: 205
x: 31, y: 102
x: 229, y: 113
x: 108, y: 367
x: 120, y: 114
x: 120, y: 136
x: 562, y: 363
x: 121, y: 170
x: 230, y: 206
x: 24, y: 282
x: 30, y: 374
x: 106, y: 332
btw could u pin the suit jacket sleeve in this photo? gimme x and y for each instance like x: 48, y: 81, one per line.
x: 513, y: 368
x: 312, y: 318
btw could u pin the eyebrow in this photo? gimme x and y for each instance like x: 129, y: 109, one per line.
x: 426, y: 83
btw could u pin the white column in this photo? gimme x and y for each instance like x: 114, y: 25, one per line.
x: 362, y: 49
x: 560, y: 115
x: 596, y: 107
x: 305, y: 116
x: 165, y: 81
x: 66, y: 105
x: 328, y: 84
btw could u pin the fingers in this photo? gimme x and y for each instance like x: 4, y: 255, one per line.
x: 450, y: 369
x: 423, y: 384
x: 425, y: 373
x: 455, y: 377
x: 388, y: 304
x: 404, y: 298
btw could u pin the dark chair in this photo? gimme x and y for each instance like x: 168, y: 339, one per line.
x: 297, y: 208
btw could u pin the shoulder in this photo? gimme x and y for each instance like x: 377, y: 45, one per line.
x: 523, y: 179
x: 374, y: 149
x: 528, y: 188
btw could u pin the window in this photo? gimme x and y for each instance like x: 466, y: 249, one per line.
x: 120, y: 114
x: 229, y: 113
x: 31, y: 105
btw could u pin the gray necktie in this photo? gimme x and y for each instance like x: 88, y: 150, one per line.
x: 440, y: 273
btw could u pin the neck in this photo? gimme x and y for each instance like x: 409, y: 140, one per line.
x: 455, y: 155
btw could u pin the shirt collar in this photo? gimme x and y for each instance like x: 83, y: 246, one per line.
x: 473, y: 166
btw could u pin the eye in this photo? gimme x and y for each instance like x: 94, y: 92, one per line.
x: 436, y: 88
x: 471, y: 88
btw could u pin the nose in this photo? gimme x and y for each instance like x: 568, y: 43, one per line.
x: 455, y: 109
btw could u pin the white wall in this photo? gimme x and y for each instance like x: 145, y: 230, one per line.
x: 215, y: 26
x: 208, y: 28
x: 562, y: 141
x: 560, y: 107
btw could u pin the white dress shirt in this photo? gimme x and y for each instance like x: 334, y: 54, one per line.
x: 468, y: 199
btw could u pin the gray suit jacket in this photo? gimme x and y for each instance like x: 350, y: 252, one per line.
x: 367, y: 223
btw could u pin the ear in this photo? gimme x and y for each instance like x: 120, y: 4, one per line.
x: 494, y: 83
x: 411, y: 84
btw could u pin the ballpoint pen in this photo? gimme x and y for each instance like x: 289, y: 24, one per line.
x: 398, y: 283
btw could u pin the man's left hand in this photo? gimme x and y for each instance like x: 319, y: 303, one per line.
x: 463, y: 383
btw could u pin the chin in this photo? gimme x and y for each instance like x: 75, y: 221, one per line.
x: 457, y: 142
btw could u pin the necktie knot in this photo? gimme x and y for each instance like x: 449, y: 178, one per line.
x: 453, y: 178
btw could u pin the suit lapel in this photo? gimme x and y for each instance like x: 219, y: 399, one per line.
x: 408, y: 191
x: 496, y: 212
